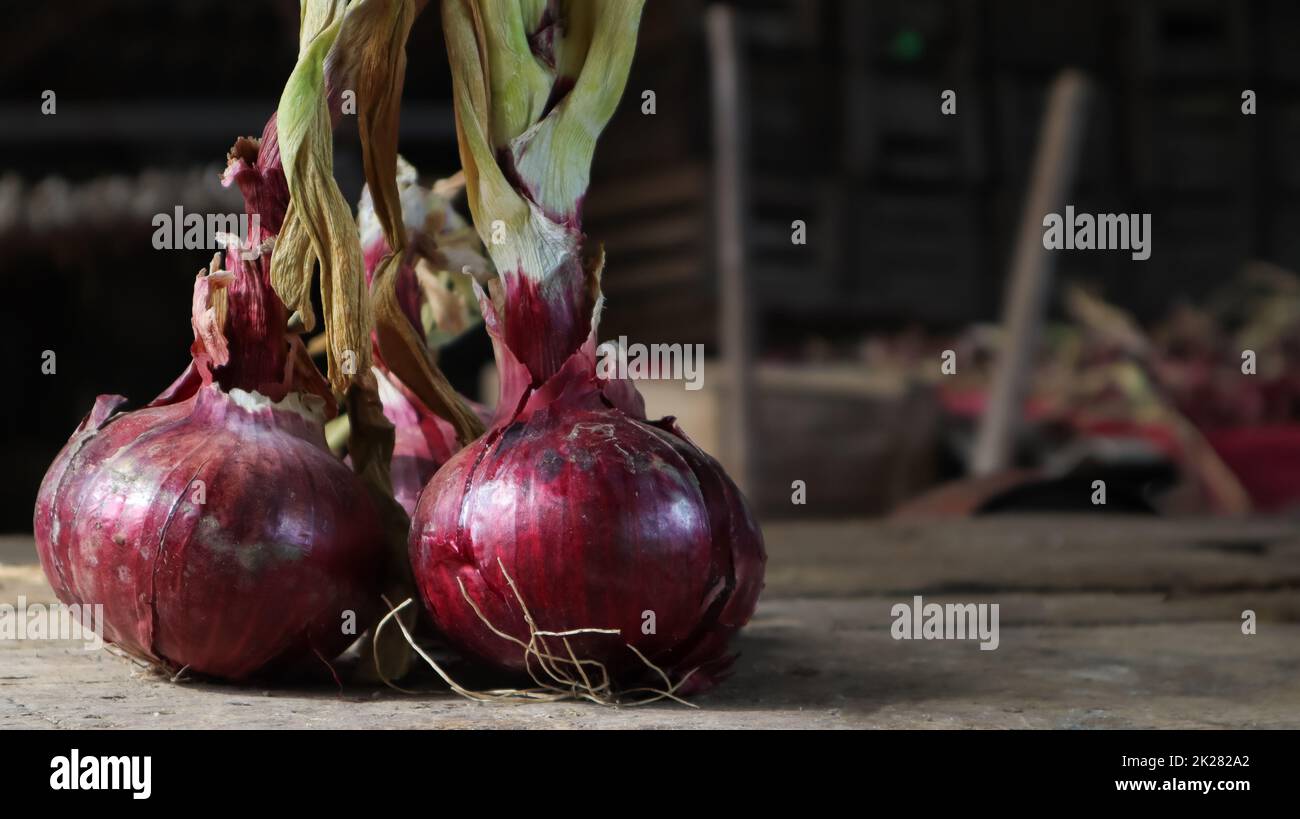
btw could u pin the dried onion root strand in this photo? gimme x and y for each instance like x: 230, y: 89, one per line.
x: 556, y: 678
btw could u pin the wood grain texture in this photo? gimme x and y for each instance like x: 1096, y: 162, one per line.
x: 1104, y: 624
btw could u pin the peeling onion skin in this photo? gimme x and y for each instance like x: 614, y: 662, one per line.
x: 599, y: 517
x: 254, y: 580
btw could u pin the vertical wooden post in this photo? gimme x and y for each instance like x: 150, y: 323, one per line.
x: 730, y: 195
x: 1059, y: 144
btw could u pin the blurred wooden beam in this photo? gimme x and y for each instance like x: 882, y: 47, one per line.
x: 730, y: 162
x: 1060, y: 143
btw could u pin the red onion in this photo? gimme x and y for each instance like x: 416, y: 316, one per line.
x: 214, y: 525
x: 572, y: 511
x: 262, y: 574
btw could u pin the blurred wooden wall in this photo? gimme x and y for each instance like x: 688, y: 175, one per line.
x: 910, y: 213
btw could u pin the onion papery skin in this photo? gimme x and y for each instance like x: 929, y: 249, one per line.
x: 257, y: 578
x: 599, y: 517
x: 422, y: 441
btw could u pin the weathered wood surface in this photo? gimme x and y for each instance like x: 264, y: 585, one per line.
x: 1105, y: 622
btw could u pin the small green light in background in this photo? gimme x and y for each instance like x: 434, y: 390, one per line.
x: 908, y: 45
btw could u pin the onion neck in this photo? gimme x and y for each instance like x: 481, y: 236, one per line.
x: 547, y: 321
x: 256, y: 319
x: 256, y: 322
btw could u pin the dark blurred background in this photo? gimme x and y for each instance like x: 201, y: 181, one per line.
x: 911, y: 218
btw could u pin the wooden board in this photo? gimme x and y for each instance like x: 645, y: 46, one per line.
x: 1106, y: 622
